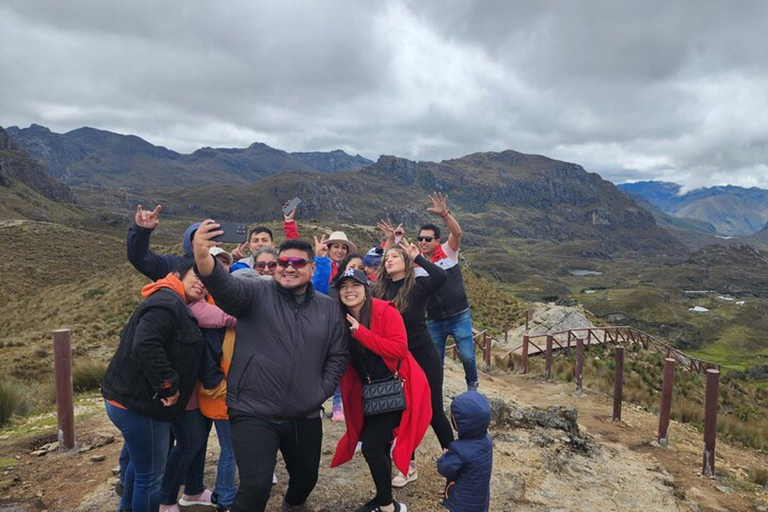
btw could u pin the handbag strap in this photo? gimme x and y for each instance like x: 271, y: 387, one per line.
x: 368, y: 374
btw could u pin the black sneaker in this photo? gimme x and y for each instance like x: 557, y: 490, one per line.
x: 368, y: 507
x: 372, y: 506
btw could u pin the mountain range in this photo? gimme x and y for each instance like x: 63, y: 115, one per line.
x: 730, y: 210
x: 504, y: 198
x: 88, y: 156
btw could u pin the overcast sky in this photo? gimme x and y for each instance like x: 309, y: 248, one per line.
x: 631, y: 90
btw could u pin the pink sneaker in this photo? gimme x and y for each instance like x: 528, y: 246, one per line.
x: 338, y: 414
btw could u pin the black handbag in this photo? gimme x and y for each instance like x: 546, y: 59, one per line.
x: 383, y: 395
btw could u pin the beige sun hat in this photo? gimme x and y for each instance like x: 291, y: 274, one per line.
x: 339, y: 237
x: 218, y: 251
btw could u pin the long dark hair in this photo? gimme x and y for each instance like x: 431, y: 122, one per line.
x: 384, y: 282
x: 365, y: 315
x: 344, y: 263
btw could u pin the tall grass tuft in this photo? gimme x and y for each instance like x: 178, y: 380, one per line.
x: 88, y: 374
x: 13, y: 401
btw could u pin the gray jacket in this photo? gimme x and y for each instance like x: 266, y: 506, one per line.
x: 289, y: 356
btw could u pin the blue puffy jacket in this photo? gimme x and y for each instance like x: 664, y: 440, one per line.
x: 468, y: 462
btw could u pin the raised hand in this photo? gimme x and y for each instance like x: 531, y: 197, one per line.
x: 353, y: 323
x: 321, y: 248
x: 399, y: 232
x: 202, y: 243
x: 238, y: 253
x: 410, y: 249
x: 387, y: 228
x: 292, y: 215
x: 146, y: 219
x: 439, y: 204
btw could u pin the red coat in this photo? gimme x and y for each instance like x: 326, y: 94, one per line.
x: 388, y: 339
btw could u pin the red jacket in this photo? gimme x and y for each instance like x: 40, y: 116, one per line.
x: 388, y: 339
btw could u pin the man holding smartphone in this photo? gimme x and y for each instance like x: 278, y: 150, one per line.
x: 290, y: 354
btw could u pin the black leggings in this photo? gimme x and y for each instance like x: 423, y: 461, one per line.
x: 429, y: 361
x: 377, y: 441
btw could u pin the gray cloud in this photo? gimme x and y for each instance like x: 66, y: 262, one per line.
x: 632, y: 90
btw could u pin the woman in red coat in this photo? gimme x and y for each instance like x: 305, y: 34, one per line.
x: 378, y: 344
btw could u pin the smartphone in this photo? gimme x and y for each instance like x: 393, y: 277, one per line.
x: 233, y: 233
x: 293, y: 203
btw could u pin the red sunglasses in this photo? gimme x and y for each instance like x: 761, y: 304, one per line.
x: 294, y: 261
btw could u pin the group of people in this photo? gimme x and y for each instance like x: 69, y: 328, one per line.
x: 255, y: 345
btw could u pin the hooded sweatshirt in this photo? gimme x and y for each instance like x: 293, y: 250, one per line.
x: 468, y: 462
x: 159, y: 353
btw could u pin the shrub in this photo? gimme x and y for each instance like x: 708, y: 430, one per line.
x: 88, y: 374
x: 758, y: 476
x: 13, y: 401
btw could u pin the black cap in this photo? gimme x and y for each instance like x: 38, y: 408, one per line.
x: 353, y: 273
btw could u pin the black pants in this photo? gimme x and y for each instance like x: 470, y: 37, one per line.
x: 255, y: 442
x: 377, y: 441
x: 429, y: 361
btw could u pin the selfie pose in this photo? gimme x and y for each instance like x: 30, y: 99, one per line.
x: 289, y: 357
x: 384, y: 390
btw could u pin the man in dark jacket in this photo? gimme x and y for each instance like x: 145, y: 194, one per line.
x: 468, y: 462
x: 290, y: 354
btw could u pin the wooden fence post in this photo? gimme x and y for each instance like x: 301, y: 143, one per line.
x: 524, y: 355
x: 666, y: 400
x: 710, y: 422
x: 62, y: 363
x: 579, y: 369
x: 487, y: 351
x: 618, y: 382
x: 548, y: 355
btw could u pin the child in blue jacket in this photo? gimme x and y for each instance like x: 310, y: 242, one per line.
x: 468, y: 461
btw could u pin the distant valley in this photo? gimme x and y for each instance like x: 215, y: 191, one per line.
x: 729, y: 210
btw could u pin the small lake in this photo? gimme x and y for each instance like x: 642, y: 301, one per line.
x: 583, y: 272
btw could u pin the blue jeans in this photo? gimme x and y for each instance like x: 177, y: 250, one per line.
x: 337, y: 397
x: 147, y: 440
x: 225, y: 490
x: 186, y: 461
x: 460, y: 327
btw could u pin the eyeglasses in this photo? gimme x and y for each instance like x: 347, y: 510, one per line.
x: 425, y: 238
x: 261, y: 265
x: 295, y: 262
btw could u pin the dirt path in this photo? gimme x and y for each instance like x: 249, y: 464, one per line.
x: 533, y: 469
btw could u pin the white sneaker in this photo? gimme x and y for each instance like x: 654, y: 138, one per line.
x: 401, y: 480
x: 274, y: 478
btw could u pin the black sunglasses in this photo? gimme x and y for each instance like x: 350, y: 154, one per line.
x: 425, y: 238
x: 261, y: 265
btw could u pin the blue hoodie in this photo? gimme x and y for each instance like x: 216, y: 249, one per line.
x: 468, y: 462
x: 156, y: 266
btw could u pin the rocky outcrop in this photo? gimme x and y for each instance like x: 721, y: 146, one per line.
x: 16, y: 167
x: 332, y: 161
x: 550, y: 318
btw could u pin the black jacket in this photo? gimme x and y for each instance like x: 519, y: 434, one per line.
x: 160, y: 353
x: 289, y: 356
